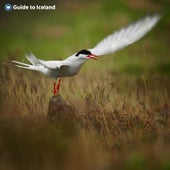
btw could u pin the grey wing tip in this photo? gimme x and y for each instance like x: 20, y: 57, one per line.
x: 152, y: 19
x: 156, y: 16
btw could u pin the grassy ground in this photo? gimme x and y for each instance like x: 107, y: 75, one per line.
x: 121, y: 117
x: 120, y: 122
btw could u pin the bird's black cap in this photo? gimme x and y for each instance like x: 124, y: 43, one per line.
x: 83, y: 52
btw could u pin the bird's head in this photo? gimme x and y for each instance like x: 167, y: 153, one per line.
x: 86, y: 54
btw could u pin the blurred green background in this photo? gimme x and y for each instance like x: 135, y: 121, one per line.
x: 80, y: 24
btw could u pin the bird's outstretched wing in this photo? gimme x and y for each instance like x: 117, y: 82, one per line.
x: 125, y: 36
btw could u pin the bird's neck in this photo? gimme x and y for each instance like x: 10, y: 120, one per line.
x: 76, y: 61
x: 75, y: 64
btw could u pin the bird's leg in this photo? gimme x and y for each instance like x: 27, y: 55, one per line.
x: 55, y: 89
x: 58, y: 85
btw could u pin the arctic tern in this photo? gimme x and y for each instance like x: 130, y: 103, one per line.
x: 71, y: 65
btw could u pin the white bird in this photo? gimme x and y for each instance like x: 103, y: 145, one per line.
x: 71, y: 65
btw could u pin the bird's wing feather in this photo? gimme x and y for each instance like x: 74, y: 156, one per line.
x: 32, y: 59
x: 48, y: 64
x: 53, y: 64
x: 125, y: 36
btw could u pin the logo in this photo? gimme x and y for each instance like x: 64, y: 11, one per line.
x: 8, y: 7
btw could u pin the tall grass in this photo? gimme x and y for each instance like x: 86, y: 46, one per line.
x: 119, y: 121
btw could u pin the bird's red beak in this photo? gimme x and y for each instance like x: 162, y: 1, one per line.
x: 93, y: 57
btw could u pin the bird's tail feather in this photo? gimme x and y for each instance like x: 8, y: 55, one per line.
x: 24, y: 65
x: 21, y: 63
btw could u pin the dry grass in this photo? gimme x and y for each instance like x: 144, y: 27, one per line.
x: 120, y: 122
